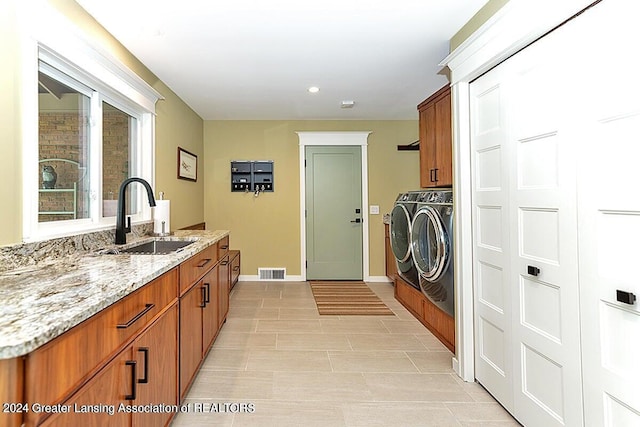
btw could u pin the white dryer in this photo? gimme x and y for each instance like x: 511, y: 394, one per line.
x: 431, y: 246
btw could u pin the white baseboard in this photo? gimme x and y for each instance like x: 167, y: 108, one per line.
x: 378, y: 279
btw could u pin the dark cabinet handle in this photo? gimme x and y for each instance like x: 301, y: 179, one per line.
x: 225, y: 247
x: 132, y: 396
x: 204, y: 262
x: 147, y: 308
x: 534, y: 271
x: 224, y: 262
x: 430, y: 175
x: 236, y: 268
x: 357, y: 220
x: 435, y: 175
x: 625, y: 297
x: 203, y: 304
x: 145, y: 377
x: 207, y: 298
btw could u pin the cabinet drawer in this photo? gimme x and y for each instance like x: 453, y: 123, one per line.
x: 67, y: 361
x: 223, y: 247
x: 235, y: 266
x: 197, y: 266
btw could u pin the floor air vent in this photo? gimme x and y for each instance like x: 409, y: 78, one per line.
x: 271, y: 273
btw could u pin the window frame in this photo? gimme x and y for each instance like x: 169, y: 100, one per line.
x: 109, y: 81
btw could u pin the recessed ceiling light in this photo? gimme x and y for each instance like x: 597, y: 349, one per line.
x: 347, y: 104
x: 314, y: 89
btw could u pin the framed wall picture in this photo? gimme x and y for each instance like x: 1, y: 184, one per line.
x: 187, y: 165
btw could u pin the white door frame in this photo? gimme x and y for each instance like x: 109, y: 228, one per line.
x: 358, y: 138
x: 517, y: 24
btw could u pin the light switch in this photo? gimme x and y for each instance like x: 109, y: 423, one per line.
x: 374, y: 210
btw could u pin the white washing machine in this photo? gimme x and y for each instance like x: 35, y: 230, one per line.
x: 431, y: 246
x: 400, y: 230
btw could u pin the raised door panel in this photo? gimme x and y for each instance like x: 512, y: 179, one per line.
x: 210, y: 310
x: 97, y: 403
x: 156, y: 354
x: 191, y: 305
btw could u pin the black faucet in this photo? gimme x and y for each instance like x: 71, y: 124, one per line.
x: 121, y: 229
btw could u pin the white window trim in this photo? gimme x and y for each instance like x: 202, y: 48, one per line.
x: 48, y: 35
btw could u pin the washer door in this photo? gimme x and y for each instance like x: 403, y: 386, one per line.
x: 429, y: 244
x: 400, y: 233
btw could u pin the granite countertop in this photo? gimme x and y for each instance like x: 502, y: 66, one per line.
x: 40, y: 302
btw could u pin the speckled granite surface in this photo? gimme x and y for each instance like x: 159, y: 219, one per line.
x: 42, y: 300
x: 26, y: 254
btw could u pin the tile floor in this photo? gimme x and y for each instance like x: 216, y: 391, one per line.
x: 278, y: 356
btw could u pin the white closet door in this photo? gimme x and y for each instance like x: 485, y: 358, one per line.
x: 609, y: 213
x: 492, y: 295
x: 544, y: 258
x: 523, y: 143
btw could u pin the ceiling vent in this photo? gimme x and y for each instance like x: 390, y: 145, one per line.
x: 347, y: 104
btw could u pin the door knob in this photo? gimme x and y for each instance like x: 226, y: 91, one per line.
x: 357, y: 220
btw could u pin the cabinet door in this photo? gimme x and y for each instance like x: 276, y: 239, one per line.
x: 427, y: 143
x: 210, y: 310
x: 156, y: 354
x: 102, y: 395
x: 190, y: 334
x: 223, y: 289
x: 443, y: 171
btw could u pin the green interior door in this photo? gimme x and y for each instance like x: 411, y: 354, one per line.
x: 334, y: 212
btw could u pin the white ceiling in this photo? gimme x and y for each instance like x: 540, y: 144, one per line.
x: 255, y: 59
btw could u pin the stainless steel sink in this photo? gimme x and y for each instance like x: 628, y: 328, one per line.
x: 153, y: 247
x: 157, y: 247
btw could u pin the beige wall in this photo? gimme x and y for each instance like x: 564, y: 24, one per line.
x: 486, y: 12
x: 176, y: 125
x: 267, y: 229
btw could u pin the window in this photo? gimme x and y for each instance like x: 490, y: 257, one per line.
x: 90, y: 137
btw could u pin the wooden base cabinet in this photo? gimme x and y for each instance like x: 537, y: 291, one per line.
x: 144, y: 373
x: 234, y: 260
x: 203, y: 310
x: 441, y: 325
x: 391, y: 269
x: 144, y: 349
x: 224, y: 285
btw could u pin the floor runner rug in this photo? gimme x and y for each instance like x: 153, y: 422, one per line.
x: 347, y: 298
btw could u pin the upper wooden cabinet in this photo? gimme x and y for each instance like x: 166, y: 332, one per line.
x: 435, y: 140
